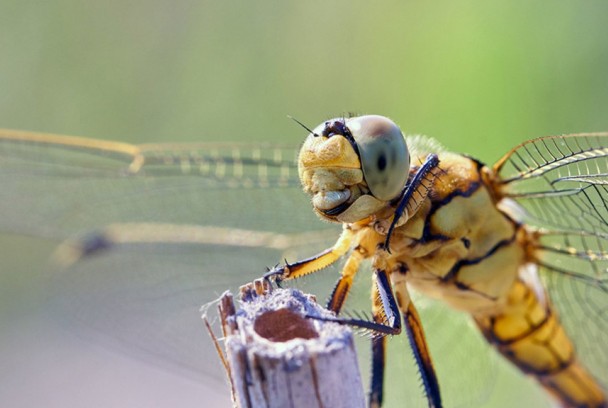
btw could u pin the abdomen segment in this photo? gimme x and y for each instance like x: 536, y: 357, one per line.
x: 529, y: 334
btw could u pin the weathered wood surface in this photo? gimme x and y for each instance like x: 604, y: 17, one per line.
x: 278, y: 357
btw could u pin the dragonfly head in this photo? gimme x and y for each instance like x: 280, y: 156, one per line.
x: 352, y: 167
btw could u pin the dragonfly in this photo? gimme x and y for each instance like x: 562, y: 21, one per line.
x: 519, y: 246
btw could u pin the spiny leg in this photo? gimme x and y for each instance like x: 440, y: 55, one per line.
x: 315, y: 263
x: 414, y: 194
x: 417, y: 340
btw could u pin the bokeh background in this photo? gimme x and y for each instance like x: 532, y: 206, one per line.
x: 479, y: 76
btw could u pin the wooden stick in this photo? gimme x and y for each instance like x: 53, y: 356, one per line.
x: 278, y: 357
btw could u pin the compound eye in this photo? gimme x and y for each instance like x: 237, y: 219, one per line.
x: 385, y: 160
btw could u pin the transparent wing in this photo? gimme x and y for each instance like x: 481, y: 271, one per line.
x: 562, y: 184
x: 184, y: 222
x: 87, y: 183
x: 150, y: 233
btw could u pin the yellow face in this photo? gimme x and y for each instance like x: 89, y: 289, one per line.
x: 353, y: 167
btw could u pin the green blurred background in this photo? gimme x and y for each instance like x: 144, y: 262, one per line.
x: 479, y: 76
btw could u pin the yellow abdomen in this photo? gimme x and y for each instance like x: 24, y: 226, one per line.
x: 529, y: 334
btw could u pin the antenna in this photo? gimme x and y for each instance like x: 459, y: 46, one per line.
x: 303, y: 125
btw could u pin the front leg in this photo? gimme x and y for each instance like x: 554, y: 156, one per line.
x: 414, y: 194
x: 313, y: 264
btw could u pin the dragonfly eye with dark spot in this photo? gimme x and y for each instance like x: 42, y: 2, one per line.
x: 385, y: 159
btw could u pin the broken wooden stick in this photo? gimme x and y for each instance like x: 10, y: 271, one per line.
x: 278, y: 356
